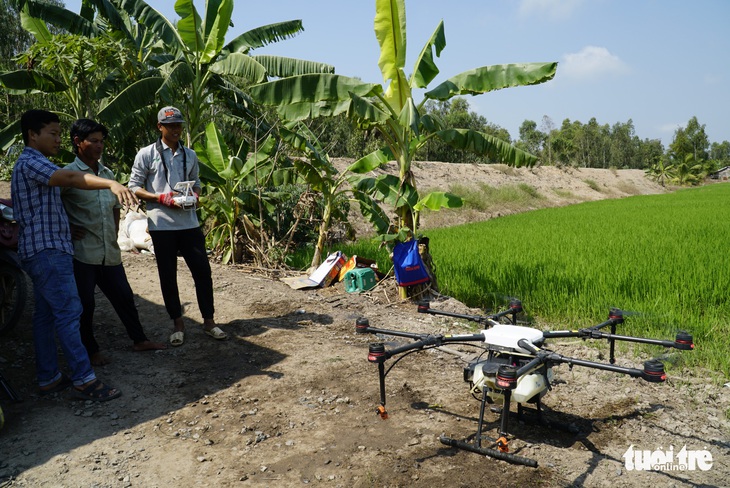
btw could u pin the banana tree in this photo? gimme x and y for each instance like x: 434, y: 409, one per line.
x: 241, y: 193
x: 661, y: 172
x: 190, y: 63
x: 321, y: 175
x: 200, y: 65
x: 392, y: 111
x: 79, y: 68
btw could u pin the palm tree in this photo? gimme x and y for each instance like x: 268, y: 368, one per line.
x: 688, y: 171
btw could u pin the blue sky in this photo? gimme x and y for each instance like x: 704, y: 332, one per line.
x: 657, y: 62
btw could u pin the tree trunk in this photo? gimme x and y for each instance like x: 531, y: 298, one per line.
x: 321, y: 239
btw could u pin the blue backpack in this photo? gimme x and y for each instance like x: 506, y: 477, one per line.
x: 407, y: 263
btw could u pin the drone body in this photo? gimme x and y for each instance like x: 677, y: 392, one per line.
x: 517, y: 367
x: 529, y: 388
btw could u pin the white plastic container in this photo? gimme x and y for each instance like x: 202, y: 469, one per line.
x: 527, y: 387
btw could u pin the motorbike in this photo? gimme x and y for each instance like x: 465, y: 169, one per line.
x: 13, y: 282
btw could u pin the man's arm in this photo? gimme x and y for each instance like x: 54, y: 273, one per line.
x: 86, y: 181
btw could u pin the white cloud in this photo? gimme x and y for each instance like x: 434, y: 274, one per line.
x: 554, y: 9
x: 591, y: 62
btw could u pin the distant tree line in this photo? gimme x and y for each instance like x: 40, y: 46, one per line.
x: 573, y: 144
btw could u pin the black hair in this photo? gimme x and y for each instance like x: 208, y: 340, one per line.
x: 84, y: 127
x: 35, y: 120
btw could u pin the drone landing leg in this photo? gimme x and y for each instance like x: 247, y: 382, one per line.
x: 484, y: 451
x: 540, y: 419
x: 504, y: 421
x: 381, y: 408
x: 480, y: 423
x: 523, y: 417
x: 9, y: 391
x: 476, y: 446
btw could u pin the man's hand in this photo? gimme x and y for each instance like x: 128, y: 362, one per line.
x: 167, y: 199
x: 126, y: 198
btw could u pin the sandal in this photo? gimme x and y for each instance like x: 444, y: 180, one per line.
x: 177, y: 338
x: 96, y: 391
x: 216, y: 333
x: 63, y: 383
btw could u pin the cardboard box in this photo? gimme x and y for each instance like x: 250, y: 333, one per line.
x: 327, y: 273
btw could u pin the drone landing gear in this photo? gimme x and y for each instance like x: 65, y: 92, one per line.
x: 499, y: 448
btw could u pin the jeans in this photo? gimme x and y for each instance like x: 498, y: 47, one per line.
x: 57, y: 312
x: 190, y: 243
x: 112, y: 281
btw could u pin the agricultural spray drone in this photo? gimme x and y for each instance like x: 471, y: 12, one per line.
x: 514, y: 366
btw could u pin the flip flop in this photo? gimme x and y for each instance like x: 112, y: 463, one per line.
x: 177, y: 338
x: 216, y: 333
x: 58, y: 387
x: 96, y: 391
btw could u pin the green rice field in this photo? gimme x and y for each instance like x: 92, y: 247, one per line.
x: 661, y: 256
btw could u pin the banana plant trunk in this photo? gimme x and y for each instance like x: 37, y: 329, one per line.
x: 324, y: 227
x: 409, y: 219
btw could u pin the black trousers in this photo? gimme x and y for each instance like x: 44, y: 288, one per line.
x: 112, y: 281
x: 190, y: 243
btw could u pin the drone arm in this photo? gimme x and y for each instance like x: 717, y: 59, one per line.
x: 362, y: 326
x: 515, y: 307
x: 425, y: 342
x: 396, y: 333
x: 434, y: 340
x: 610, y: 321
x: 683, y: 340
x: 547, y: 334
x: 425, y: 308
x: 653, y: 371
